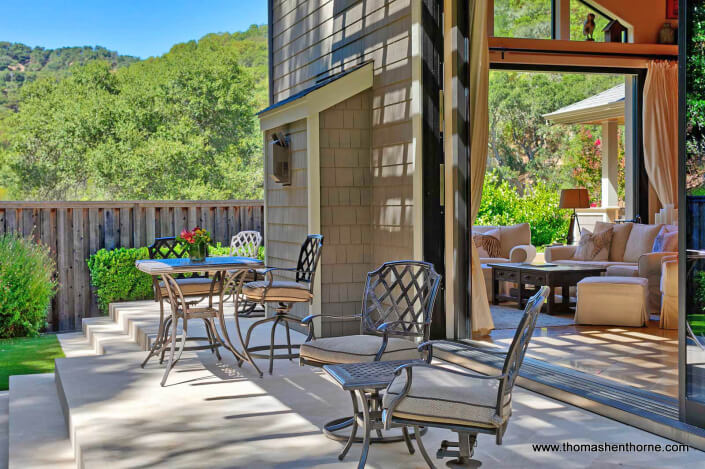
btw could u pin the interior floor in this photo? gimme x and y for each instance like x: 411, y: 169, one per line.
x: 643, y: 357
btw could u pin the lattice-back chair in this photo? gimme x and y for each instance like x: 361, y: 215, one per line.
x: 397, y: 306
x: 424, y: 395
x: 285, y: 293
x: 246, y: 244
x: 195, y: 286
x: 396, y: 312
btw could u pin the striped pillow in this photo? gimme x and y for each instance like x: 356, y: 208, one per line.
x: 487, y: 244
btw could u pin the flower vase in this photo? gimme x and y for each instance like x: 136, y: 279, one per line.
x: 197, y: 252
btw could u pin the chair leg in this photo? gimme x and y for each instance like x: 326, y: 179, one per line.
x: 165, y: 339
x: 214, y: 334
x: 422, y: 448
x: 288, y: 339
x: 184, y: 334
x: 172, y: 349
x: 407, y: 440
x: 271, y: 344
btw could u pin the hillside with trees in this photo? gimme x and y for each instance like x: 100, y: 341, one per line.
x: 179, y: 126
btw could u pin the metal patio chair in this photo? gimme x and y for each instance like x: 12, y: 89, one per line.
x: 424, y: 395
x: 196, y: 286
x: 396, y: 310
x: 246, y: 244
x: 285, y: 293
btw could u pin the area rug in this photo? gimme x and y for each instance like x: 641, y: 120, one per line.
x: 508, y: 317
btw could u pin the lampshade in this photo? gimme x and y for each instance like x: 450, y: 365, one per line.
x: 574, y: 198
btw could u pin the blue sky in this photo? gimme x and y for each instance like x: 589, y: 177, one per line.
x: 141, y: 28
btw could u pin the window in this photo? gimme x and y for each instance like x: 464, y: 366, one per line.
x: 522, y: 18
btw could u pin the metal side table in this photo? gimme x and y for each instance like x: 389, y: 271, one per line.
x: 364, y: 381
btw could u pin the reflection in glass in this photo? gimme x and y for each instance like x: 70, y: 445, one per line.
x: 695, y: 187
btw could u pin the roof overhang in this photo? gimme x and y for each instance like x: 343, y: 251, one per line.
x: 319, y: 97
x: 592, y: 115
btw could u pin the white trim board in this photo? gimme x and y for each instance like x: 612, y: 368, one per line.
x: 319, y: 100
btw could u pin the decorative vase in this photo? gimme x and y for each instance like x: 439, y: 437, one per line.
x: 197, y: 252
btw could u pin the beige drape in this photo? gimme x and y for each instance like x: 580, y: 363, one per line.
x: 661, y: 129
x: 478, y: 135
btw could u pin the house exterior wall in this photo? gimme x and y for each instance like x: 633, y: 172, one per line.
x: 286, y: 218
x: 313, y: 39
x: 346, y: 220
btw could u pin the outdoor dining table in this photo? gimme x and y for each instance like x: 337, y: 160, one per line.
x: 228, y: 273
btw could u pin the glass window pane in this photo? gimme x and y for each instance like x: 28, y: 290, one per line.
x: 578, y: 14
x: 522, y: 18
x: 695, y: 187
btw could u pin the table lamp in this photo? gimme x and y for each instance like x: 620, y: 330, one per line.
x: 572, y: 199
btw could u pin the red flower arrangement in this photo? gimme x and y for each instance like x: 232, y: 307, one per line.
x: 196, y: 241
x: 195, y: 236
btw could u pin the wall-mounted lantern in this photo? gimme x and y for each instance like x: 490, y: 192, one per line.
x: 281, y: 159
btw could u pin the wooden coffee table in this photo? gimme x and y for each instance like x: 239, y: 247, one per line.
x: 550, y: 275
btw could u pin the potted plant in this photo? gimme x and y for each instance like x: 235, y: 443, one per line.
x: 196, y: 242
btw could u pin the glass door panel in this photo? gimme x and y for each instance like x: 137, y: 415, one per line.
x: 693, y: 325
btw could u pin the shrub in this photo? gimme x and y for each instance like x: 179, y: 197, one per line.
x: 115, y: 277
x: 26, y: 286
x: 502, y: 205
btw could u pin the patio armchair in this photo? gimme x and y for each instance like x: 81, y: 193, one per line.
x: 285, y: 293
x: 396, y: 309
x: 425, y: 395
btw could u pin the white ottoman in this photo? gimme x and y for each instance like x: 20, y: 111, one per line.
x: 612, y: 301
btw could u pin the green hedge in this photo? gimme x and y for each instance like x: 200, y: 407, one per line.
x: 502, y: 205
x: 26, y: 286
x: 115, y: 277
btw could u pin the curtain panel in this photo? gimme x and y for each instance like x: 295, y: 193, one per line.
x: 661, y: 129
x: 479, y: 70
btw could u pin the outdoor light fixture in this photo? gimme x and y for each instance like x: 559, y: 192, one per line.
x: 572, y: 199
x: 281, y: 159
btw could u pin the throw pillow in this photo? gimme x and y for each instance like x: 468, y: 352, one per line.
x: 487, y: 243
x: 641, y: 241
x: 670, y: 242
x: 594, y: 246
x: 660, y: 241
x: 619, y: 238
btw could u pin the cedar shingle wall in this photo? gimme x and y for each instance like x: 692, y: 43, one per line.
x: 287, y: 215
x: 345, y: 210
x: 317, y: 38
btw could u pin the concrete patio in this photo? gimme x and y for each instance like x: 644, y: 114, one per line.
x: 214, y: 414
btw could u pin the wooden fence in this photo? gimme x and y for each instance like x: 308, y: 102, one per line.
x: 75, y: 230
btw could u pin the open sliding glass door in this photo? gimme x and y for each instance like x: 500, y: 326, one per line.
x: 692, y: 214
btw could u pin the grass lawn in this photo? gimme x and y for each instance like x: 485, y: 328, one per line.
x: 27, y: 356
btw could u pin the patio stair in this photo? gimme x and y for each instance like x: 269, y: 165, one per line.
x: 37, y: 435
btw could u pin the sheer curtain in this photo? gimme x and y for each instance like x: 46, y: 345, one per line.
x: 661, y: 129
x: 478, y: 134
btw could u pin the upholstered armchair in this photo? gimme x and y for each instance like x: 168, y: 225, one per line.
x: 424, y: 395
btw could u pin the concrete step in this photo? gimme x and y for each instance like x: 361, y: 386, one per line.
x: 37, y: 429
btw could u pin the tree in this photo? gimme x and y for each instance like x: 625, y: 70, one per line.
x: 179, y: 126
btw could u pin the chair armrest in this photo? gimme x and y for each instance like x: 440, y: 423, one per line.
x: 650, y: 263
x: 525, y: 253
x: 558, y: 253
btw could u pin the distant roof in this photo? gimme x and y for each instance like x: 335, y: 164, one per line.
x: 319, y: 84
x: 608, y: 105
